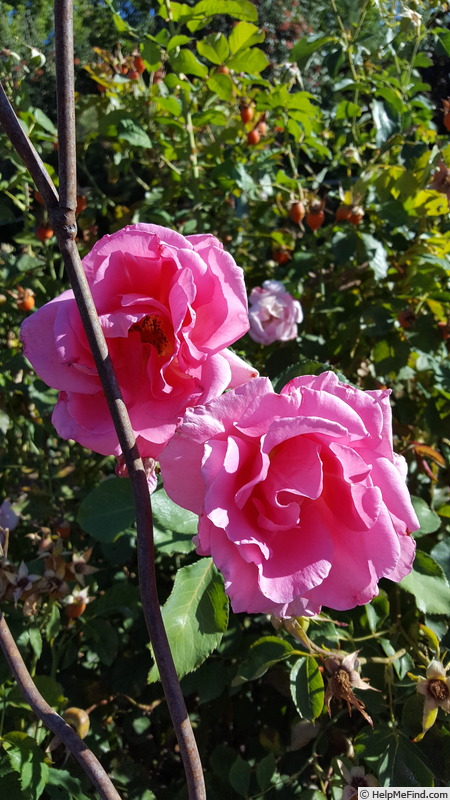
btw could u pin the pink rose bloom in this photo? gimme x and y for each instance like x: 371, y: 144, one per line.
x: 302, y: 501
x: 169, y: 307
x: 274, y: 314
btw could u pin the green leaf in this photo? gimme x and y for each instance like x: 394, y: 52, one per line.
x: 51, y: 690
x: 44, y: 121
x: 376, y: 255
x: 108, y: 510
x: 428, y: 584
x: 307, y: 688
x: 307, y: 45
x: 384, y: 123
x: 263, y: 654
x: 116, y: 125
x: 347, y: 110
x: 170, y: 104
x: 239, y: 776
x: 53, y: 623
x: 62, y: 786
x: 221, y: 85
x: 31, y: 636
x: 214, y: 48
x: 401, y: 765
x: 441, y: 554
x: 185, y: 61
x: 151, y: 54
x: 195, y: 616
x: 211, y: 117
x: 265, y: 770
x: 102, y: 639
x: 177, y: 41
x: 443, y: 36
x: 239, y: 9
x: 429, y: 520
x: 251, y: 61
x: 171, y: 517
x: 244, y: 34
x: 27, y: 758
x: 122, y: 597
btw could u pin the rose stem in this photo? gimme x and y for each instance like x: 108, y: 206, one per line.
x: 62, y: 217
x: 51, y: 719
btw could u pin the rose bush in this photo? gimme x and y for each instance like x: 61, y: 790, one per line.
x: 274, y: 314
x: 169, y: 307
x: 302, y: 501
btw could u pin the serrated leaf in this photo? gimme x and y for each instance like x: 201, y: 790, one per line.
x: 171, y: 517
x: 244, y: 34
x: 221, y: 85
x: 429, y: 520
x: 27, y: 758
x: 185, y: 62
x: 108, y: 510
x: 214, y: 48
x: 262, y: 655
x: 307, y: 688
x: 428, y: 584
x: 251, y: 61
x: 195, y: 616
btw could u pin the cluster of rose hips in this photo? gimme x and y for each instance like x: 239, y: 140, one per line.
x: 314, y: 216
x: 259, y: 128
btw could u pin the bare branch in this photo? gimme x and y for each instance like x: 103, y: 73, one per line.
x: 51, y: 719
x: 62, y: 216
x: 27, y: 152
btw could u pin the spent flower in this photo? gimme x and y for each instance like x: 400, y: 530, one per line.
x: 344, y: 677
x: 436, y: 689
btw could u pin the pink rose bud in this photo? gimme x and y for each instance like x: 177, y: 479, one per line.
x: 274, y: 314
x: 302, y: 502
x: 169, y: 307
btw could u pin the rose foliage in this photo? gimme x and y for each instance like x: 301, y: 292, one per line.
x: 302, y: 501
x: 169, y: 307
x: 274, y: 314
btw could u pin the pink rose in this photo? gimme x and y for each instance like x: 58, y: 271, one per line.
x: 274, y: 314
x: 169, y: 307
x: 302, y: 501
